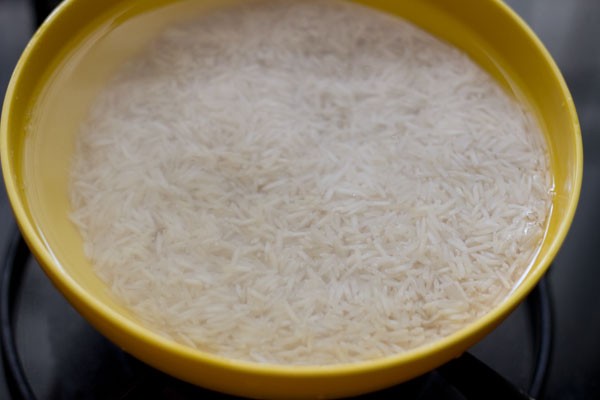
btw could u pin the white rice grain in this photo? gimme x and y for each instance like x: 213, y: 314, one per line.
x: 308, y: 182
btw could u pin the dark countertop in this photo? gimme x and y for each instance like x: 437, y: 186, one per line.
x: 570, y: 30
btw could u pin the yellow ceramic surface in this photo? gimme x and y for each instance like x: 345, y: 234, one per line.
x: 80, y: 44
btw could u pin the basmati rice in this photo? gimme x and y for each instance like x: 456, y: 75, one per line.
x: 308, y: 182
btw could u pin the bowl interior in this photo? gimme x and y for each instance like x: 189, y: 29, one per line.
x: 74, y: 53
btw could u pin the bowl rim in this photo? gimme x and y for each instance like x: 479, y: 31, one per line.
x: 90, y: 305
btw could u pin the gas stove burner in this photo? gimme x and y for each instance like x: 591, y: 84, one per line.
x: 100, y: 370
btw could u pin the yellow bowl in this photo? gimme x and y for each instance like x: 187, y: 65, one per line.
x: 80, y: 44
